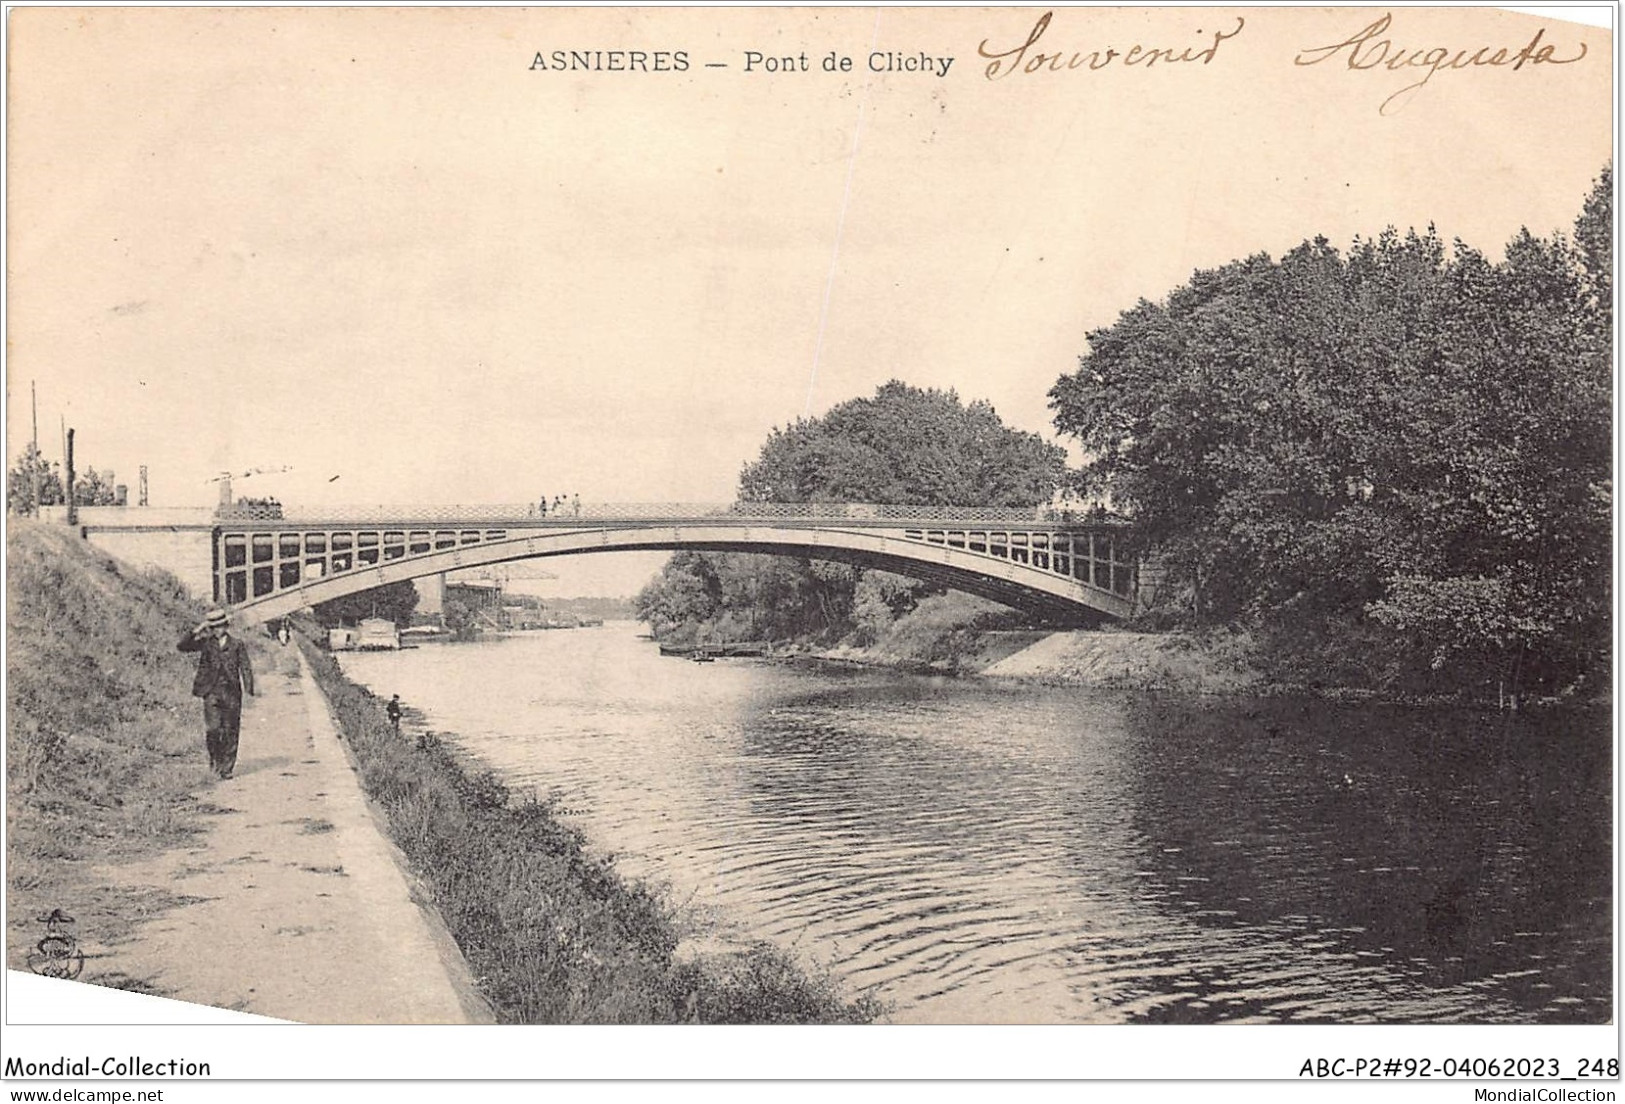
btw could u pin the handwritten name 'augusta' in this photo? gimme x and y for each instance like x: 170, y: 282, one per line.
x: 1025, y: 59
x: 1369, y: 49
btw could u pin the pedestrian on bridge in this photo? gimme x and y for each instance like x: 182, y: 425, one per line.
x: 223, y: 674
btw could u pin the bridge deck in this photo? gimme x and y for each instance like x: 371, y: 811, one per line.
x: 640, y: 512
x: 1019, y: 556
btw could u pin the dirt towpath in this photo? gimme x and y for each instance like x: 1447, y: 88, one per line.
x: 299, y: 908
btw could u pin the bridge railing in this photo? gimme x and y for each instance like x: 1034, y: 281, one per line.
x: 664, y: 511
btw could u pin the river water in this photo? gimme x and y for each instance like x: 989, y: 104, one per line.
x: 977, y: 852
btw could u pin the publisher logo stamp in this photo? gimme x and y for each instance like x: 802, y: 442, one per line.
x: 57, y: 954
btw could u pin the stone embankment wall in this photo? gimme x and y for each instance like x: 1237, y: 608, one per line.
x: 176, y: 539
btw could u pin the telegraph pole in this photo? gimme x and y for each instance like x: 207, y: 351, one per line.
x: 34, y: 464
x: 73, y: 510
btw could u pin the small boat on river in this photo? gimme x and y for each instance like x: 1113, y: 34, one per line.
x: 715, y: 651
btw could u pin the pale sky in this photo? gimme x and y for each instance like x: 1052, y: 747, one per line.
x: 378, y: 245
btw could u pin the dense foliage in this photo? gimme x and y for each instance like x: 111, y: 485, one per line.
x: 907, y: 446
x: 1406, y: 448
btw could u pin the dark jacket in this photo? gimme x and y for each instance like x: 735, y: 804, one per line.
x: 223, y: 671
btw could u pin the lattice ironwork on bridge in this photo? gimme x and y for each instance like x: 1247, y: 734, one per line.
x: 643, y: 511
x: 282, y: 562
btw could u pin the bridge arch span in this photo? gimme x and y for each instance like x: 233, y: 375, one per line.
x: 1053, y: 590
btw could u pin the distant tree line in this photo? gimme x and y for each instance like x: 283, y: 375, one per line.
x: 604, y: 609
x: 91, y: 487
x: 1394, y: 462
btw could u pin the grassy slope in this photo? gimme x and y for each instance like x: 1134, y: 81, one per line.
x: 104, y: 742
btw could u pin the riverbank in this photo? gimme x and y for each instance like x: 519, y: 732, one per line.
x: 1134, y: 661
x: 959, y: 637
x: 271, y: 893
x: 1218, y: 664
x: 551, y: 931
x: 962, y: 636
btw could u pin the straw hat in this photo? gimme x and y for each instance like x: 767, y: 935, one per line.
x: 216, y: 618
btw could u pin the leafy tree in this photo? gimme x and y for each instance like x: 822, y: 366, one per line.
x: 460, y: 617
x: 20, y: 482
x: 1469, y: 624
x: 907, y: 446
x: 1408, y: 435
x: 90, y: 487
x: 687, y: 593
x: 94, y: 488
x: 394, y: 601
x: 878, y: 600
x: 1594, y: 239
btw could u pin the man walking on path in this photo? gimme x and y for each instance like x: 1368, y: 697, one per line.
x: 223, y: 673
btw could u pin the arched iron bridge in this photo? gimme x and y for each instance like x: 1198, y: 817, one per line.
x: 268, y: 564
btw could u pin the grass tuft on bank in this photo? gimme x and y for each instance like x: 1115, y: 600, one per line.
x: 550, y: 931
x: 104, y: 746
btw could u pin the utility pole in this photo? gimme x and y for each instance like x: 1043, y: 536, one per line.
x: 34, y: 466
x: 73, y: 505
